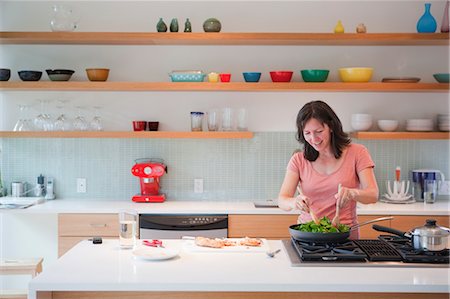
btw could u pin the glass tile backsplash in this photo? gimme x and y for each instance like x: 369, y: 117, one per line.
x: 232, y: 169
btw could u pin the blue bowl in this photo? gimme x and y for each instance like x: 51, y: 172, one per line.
x: 251, y: 76
x: 442, y: 78
x: 30, y: 75
x: 5, y: 74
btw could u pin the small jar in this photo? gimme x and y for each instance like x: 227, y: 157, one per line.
x: 196, y: 121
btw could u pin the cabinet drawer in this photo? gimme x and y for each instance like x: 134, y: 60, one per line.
x: 367, y: 232
x: 88, y: 225
x: 260, y: 226
x: 407, y: 223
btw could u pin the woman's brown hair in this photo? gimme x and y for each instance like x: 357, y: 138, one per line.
x: 323, y: 113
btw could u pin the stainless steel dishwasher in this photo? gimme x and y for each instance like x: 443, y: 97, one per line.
x: 171, y: 226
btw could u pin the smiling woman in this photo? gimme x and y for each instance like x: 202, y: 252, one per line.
x: 333, y: 173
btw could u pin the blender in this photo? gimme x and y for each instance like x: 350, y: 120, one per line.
x: 149, y: 172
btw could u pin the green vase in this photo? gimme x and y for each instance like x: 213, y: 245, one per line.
x: 212, y: 25
x: 174, y: 25
x: 187, y: 26
x: 161, y: 26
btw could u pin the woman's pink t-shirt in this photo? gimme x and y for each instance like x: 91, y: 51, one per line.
x: 321, y: 188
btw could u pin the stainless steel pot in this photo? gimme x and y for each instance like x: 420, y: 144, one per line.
x: 429, y: 237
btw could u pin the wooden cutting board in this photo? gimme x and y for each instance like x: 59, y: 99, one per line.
x: 190, y: 246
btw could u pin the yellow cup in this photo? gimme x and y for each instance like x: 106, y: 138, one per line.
x: 213, y: 77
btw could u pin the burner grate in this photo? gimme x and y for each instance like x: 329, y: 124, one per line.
x: 378, y: 250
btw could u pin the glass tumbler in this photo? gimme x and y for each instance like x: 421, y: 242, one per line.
x: 227, y: 119
x: 213, y: 120
x: 242, y: 119
x: 430, y: 190
x: 127, y: 228
x: 196, y: 121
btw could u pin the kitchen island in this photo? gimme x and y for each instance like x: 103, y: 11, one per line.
x: 106, y: 271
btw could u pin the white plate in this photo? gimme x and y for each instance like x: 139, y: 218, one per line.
x: 154, y: 254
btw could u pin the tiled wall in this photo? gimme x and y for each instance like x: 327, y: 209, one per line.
x: 242, y: 169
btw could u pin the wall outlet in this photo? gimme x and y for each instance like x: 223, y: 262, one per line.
x: 444, y: 188
x: 81, y: 185
x: 198, y: 185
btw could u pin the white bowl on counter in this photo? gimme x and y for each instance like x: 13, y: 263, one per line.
x: 387, y: 125
x: 361, y: 122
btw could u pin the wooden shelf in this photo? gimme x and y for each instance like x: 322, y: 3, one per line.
x: 400, y: 135
x: 232, y: 86
x: 210, y: 38
x: 127, y: 134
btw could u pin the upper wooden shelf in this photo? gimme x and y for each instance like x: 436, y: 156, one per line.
x: 127, y: 134
x: 232, y: 86
x: 400, y: 135
x: 210, y: 38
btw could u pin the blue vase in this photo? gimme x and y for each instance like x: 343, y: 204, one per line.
x: 426, y: 23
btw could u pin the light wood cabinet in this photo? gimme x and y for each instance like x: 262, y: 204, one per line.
x: 73, y: 228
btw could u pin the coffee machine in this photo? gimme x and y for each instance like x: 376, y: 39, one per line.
x: 149, y: 171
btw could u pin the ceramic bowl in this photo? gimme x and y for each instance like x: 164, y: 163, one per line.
x: 361, y: 121
x: 442, y: 78
x: 97, y: 74
x: 30, y: 75
x: 281, y: 76
x: 355, y: 74
x: 152, y: 125
x: 387, y: 125
x: 251, y: 76
x: 5, y: 74
x: 314, y: 75
x: 59, y: 74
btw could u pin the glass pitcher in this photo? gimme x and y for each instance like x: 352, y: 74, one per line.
x: 63, y: 19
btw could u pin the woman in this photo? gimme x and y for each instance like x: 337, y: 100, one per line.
x: 331, y: 172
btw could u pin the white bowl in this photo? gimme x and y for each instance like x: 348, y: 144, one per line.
x: 361, y: 117
x: 388, y: 125
x: 361, y: 125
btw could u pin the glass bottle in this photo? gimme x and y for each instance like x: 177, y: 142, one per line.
x: 161, y: 26
x: 426, y: 23
x: 63, y: 19
x: 187, y: 26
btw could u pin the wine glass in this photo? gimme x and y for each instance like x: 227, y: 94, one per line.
x: 80, y: 123
x: 23, y: 123
x: 43, y: 121
x: 62, y: 122
x: 96, y: 122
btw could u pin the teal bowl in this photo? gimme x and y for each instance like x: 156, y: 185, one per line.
x: 314, y: 75
x: 442, y: 78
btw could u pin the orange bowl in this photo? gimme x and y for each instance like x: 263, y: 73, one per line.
x: 281, y: 76
x: 97, y: 74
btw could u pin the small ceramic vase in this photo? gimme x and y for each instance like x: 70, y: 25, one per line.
x: 212, y: 25
x: 174, y: 25
x: 161, y: 26
x: 187, y: 26
x: 445, y: 21
x: 426, y: 23
x: 361, y: 28
x: 339, y: 27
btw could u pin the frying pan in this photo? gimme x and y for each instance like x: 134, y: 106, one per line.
x: 328, y: 237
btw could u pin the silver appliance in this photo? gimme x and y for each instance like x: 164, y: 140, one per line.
x: 171, y: 226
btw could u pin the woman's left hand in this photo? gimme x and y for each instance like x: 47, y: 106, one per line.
x: 345, y: 195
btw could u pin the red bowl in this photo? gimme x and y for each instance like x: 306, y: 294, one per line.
x: 281, y: 76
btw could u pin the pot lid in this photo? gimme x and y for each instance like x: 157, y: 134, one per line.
x: 430, y: 229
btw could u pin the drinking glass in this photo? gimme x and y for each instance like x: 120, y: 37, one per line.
x: 127, y: 228
x: 196, y: 121
x: 430, y: 190
x: 80, y: 123
x: 227, y: 119
x: 96, y: 122
x: 242, y: 120
x: 213, y: 120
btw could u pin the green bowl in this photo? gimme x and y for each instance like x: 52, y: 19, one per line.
x: 314, y: 75
x: 442, y: 78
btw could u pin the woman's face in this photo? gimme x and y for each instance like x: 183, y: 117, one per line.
x: 317, y: 134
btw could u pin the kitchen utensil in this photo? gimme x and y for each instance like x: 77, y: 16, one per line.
x: 429, y: 237
x: 251, y: 76
x: 5, y: 74
x: 153, y: 243
x: 442, y: 78
x: 400, y: 80
x: 225, y: 77
x: 311, y: 212
x: 139, y: 125
x: 329, y: 237
x: 59, y: 74
x: 356, y: 74
x: 281, y: 76
x: 272, y: 253
x: 314, y: 75
x: 149, y: 172
x: 335, y: 220
x: 398, y: 191
x: 30, y: 75
x: 127, y: 228
x: 213, y: 77
x: 97, y: 74
x: 418, y: 177
x: 152, y: 125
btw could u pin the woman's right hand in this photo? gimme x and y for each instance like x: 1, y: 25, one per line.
x: 302, y: 203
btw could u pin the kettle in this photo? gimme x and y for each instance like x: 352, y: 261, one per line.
x: 419, y: 176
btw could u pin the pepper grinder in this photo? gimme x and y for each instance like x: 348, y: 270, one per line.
x: 39, y: 189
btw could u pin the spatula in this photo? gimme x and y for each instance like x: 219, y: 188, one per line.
x: 311, y: 212
x: 336, y: 219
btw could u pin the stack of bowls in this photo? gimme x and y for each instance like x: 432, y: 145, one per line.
x: 421, y: 125
x: 361, y: 122
x: 443, y: 121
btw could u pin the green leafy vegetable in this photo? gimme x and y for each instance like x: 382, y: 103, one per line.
x: 324, y: 226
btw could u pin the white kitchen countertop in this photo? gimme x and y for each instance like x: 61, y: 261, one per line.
x: 441, y: 207
x: 105, y: 267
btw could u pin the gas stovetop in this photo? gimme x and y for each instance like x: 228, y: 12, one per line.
x: 386, y: 251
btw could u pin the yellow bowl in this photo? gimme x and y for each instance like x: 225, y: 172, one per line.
x: 356, y: 74
x: 97, y: 74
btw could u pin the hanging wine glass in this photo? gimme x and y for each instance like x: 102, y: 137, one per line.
x: 23, y: 124
x: 62, y: 122
x: 96, y: 122
x: 80, y: 123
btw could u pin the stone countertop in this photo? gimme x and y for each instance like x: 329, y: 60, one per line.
x: 58, y: 206
x: 89, y: 267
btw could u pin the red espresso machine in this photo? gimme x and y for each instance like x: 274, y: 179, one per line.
x: 149, y: 171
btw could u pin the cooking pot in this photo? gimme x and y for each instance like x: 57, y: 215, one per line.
x: 429, y: 237
x: 328, y: 237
